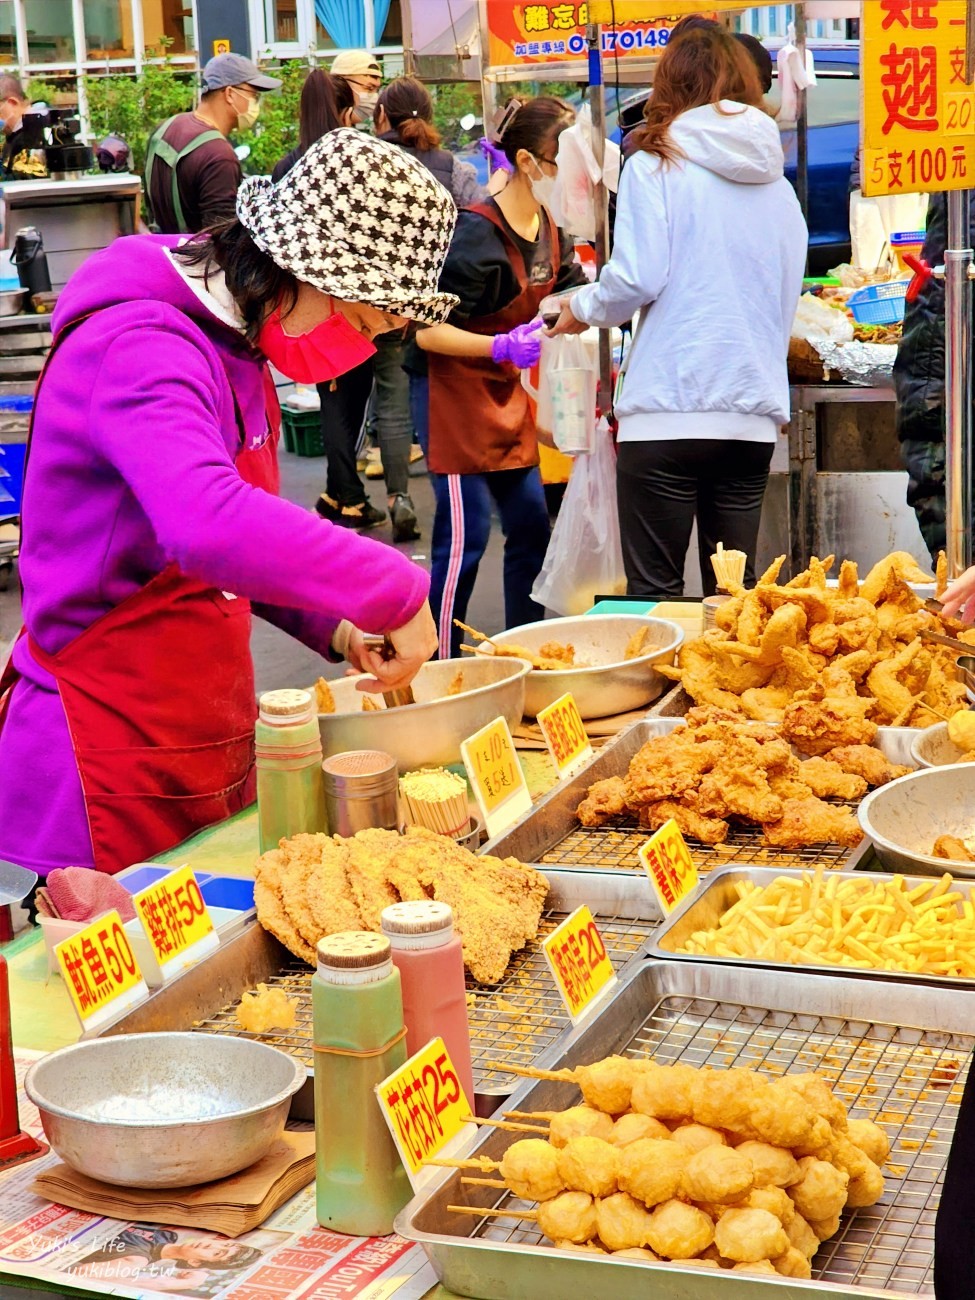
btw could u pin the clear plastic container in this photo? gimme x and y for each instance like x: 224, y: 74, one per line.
x: 288, y: 744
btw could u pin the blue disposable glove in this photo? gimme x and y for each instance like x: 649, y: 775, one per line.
x: 522, y: 346
x: 494, y: 154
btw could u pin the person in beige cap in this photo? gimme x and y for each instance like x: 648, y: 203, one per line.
x: 363, y: 73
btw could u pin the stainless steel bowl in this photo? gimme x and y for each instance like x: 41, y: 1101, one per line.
x: 12, y: 302
x: 932, y: 747
x: 613, y: 684
x: 903, y: 819
x: 428, y: 733
x: 163, y: 1110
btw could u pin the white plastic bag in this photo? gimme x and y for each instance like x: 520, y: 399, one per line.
x: 572, y: 205
x: 568, y: 372
x: 584, y: 557
x: 815, y: 322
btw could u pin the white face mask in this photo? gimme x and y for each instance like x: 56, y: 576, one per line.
x: 249, y: 116
x: 543, y: 187
x: 366, y: 102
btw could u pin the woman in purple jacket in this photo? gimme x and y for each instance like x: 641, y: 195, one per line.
x: 149, y: 531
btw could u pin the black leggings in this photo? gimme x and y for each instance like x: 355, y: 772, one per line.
x: 662, y: 486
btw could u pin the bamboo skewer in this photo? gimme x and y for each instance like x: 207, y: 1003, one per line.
x: 481, y: 1163
x: 531, y: 1072
x: 545, y: 1115
x: 528, y: 1216
x: 485, y: 1182
x: 729, y: 567
x: 503, y: 1124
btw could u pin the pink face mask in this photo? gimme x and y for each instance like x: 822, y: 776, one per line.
x: 325, y: 352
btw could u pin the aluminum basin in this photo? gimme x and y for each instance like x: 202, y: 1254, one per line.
x: 163, y: 1110
x: 612, y: 684
x: 429, y: 732
x: 933, y: 747
x: 904, y: 818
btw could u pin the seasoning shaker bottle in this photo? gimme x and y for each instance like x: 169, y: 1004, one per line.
x: 361, y: 791
x: 427, y: 952
x: 357, y: 1004
x: 288, y: 747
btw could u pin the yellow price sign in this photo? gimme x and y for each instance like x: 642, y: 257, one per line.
x: 100, y: 971
x: 918, y: 114
x: 669, y: 864
x: 177, y: 921
x: 565, y: 735
x: 496, y: 777
x: 425, y: 1107
x: 580, y: 965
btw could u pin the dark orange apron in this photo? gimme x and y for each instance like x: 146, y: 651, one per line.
x: 159, y: 698
x: 480, y: 417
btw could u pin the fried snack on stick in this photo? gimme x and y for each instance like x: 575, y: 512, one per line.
x: 651, y: 1170
x: 580, y: 1121
x: 679, y: 1231
x: 633, y: 1127
x: 747, y: 1236
x: 622, y: 1222
x: 588, y: 1164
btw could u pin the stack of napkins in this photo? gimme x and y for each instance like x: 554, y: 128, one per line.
x: 230, y: 1206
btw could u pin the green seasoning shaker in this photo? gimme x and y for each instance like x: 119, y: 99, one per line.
x: 288, y: 749
x: 361, y: 1184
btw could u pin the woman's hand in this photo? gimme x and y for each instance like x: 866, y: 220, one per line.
x: 960, y: 597
x: 566, y: 324
x: 522, y: 346
x: 414, y: 643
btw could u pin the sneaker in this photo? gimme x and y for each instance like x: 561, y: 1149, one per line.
x: 360, y: 516
x: 404, y: 519
x: 374, y: 465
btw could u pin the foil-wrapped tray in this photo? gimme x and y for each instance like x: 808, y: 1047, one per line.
x: 894, y: 1052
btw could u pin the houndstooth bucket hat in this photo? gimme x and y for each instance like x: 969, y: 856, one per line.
x: 358, y: 219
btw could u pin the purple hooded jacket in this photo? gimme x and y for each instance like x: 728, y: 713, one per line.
x: 131, y: 469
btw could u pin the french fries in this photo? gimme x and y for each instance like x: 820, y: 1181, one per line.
x: 875, y: 923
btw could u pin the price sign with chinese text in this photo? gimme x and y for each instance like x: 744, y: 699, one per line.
x: 579, y: 963
x: 565, y: 735
x: 496, y: 777
x: 100, y: 971
x: 176, y: 920
x: 918, y: 113
x: 669, y: 865
x: 426, y: 1109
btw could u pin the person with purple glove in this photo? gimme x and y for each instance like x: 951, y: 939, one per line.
x: 470, y: 411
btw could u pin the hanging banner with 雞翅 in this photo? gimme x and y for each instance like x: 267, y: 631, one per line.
x: 918, y: 117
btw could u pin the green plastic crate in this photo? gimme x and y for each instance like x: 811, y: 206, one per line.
x: 302, y: 432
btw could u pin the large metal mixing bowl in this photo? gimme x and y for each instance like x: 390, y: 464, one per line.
x: 428, y: 733
x: 933, y: 747
x: 612, y: 684
x: 903, y: 819
x: 163, y: 1110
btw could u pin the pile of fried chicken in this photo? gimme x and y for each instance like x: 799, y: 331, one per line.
x: 852, y: 651
x: 719, y: 769
x: 314, y: 885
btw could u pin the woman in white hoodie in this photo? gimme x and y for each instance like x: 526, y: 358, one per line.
x: 710, y: 246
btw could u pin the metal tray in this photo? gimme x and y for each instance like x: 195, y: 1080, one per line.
x: 711, y: 900
x: 514, y: 1021
x: 896, y: 1052
x: 550, y: 835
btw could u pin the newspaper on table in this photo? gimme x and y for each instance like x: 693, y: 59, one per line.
x: 289, y: 1258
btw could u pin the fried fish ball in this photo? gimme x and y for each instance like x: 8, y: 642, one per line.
x: 821, y: 1191
x: 579, y: 1121
x: 722, y: 1098
x: 865, y: 1188
x: 759, y: 1266
x: 607, y: 1084
x: 679, y: 1231
x: 870, y: 1138
x: 774, y: 1165
x: 622, y: 1222
x: 637, y: 1252
x: 632, y: 1127
x: 570, y: 1216
x: 846, y: 1155
x: 530, y: 1167
x: 801, y: 1236
x: 775, y: 1200
x: 651, y: 1169
x: 588, y: 1164
x: 820, y: 1096
x: 750, y: 1235
x: 696, y: 1137
x: 664, y: 1091
x: 826, y: 1228
x: 792, y: 1263
x: 782, y: 1117
x: 717, y: 1174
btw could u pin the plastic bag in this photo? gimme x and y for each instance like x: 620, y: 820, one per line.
x: 568, y: 372
x: 584, y: 557
x: 817, y: 323
x: 573, y: 207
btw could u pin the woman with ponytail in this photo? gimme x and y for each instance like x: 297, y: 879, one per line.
x: 404, y: 116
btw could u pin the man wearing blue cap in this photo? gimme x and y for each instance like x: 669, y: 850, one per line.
x: 192, y: 172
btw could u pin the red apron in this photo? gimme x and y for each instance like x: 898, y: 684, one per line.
x: 159, y: 698
x: 480, y: 417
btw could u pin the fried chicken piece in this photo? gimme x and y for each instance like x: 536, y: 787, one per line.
x: 867, y: 762
x: 565, y: 655
x: 828, y: 780
x: 323, y: 696
x: 604, y: 800
x: 696, y: 669
x: 952, y: 849
x: 637, y: 644
x: 785, y: 628
x: 900, y: 565
x: 811, y: 821
x: 369, y: 859
x: 818, y: 726
x: 709, y: 830
x: 941, y: 575
x: 738, y: 785
x: 667, y: 767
